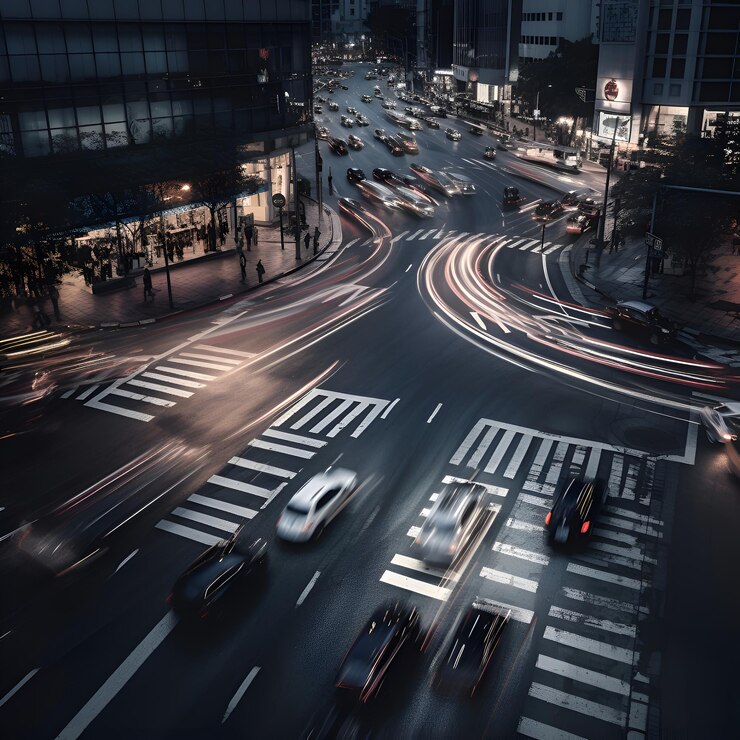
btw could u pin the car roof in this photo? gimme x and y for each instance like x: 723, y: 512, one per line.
x: 637, y: 305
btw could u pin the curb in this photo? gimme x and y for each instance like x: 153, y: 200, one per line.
x: 328, y: 211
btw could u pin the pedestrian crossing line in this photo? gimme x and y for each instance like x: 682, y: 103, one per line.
x: 603, y: 552
x: 553, y: 474
x: 200, y: 363
x: 535, y: 500
x: 237, y: 485
x: 541, y: 731
x: 630, y: 526
x: 87, y: 392
x: 329, y: 418
x: 213, y: 503
x: 412, y: 584
x: 493, y: 490
x: 500, y: 451
x: 347, y: 419
x: 139, y: 397
x: 582, y: 675
x: 467, y: 443
x: 485, y: 442
x: 414, y: 235
x: 159, y: 387
x: 600, y: 601
x: 630, y: 481
x: 521, y: 450
x: 369, y: 419
x: 413, y: 564
x: 522, y: 526
x: 642, y: 518
x: 535, y: 471
x: 413, y: 532
x: 68, y: 393
x: 198, y: 356
x: 578, y: 704
x: 602, y: 575
x: 647, y: 488
x: 626, y: 539
x: 520, y: 553
x: 589, y: 645
x: 283, y: 449
x: 349, y: 244
x: 593, y: 463
x: 507, y: 579
x: 552, y: 249
x: 174, y: 381
x: 243, y: 462
x: 514, y: 244
x: 110, y: 408
x: 431, y: 231
x: 529, y: 244
x: 633, y: 553
x: 629, y: 630
x: 615, y: 475
x: 315, y: 411
x: 399, y: 237
x: 297, y: 438
x: 207, y: 519
x: 235, y: 352
x: 188, y: 532
x: 518, y: 614
x: 185, y: 373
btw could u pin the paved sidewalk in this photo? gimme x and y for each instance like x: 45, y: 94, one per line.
x: 195, y: 282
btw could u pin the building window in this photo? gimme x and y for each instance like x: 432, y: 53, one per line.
x: 559, y: 16
x: 549, y: 16
x: 661, y: 43
x: 664, y: 19
x: 674, y: 90
x: 678, y: 66
x: 683, y: 18
x: 659, y: 67
x: 680, y: 43
x: 657, y: 88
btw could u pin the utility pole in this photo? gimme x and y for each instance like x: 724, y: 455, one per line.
x: 295, y: 204
x: 649, y: 248
x: 534, y: 118
x: 542, y: 240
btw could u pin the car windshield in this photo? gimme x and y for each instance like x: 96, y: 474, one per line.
x: 297, y: 507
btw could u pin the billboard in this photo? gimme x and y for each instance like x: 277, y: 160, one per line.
x: 606, y: 122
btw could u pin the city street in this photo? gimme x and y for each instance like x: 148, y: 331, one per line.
x: 423, y: 353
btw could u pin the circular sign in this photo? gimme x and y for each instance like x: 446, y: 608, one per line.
x: 278, y: 200
x: 611, y: 90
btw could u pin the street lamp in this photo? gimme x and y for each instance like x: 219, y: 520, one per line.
x: 535, y: 116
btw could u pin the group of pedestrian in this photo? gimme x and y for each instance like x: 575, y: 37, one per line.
x: 307, y: 239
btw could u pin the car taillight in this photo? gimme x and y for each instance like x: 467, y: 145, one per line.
x: 585, y: 527
x: 169, y: 599
x: 548, y: 517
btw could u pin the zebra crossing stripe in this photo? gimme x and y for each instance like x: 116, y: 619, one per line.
x: 329, y: 418
x: 347, y: 419
x: 413, y: 584
x: 518, y: 456
x: 500, y: 451
x: 139, y: 397
x: 188, y: 532
x: 629, y: 630
x: 110, y: 408
x: 210, y: 521
x: 553, y: 248
x: 582, y: 675
x: 431, y: 231
x: 529, y: 244
x: 589, y: 645
x: 600, y: 601
x: 630, y: 481
x: 242, y: 462
x: 159, y: 387
x: 615, y: 475
x: 198, y: 356
x: 593, y: 463
x: 213, y: 503
x: 174, y: 381
x: 507, y: 579
x: 518, y: 614
x: 414, y: 235
x: 237, y: 485
x: 235, y: 352
x: 185, y: 373
x: 200, y: 363
x: 284, y: 449
x: 540, y: 731
x: 521, y: 553
x: 413, y: 564
x: 602, y: 575
x: 86, y: 393
x: 297, y: 438
x: 482, y: 447
x: 514, y: 244
x: 399, y: 237
x: 315, y: 411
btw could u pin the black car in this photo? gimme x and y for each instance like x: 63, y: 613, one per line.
x: 222, y: 567
x: 386, y: 176
x: 394, y: 145
x: 577, y: 502
x: 573, y: 198
x: 338, y: 146
x: 431, y: 122
x: 643, y: 319
x: 590, y: 208
x: 471, y: 647
x: 512, y: 196
x: 548, y: 210
x: 355, y: 174
x: 377, y: 649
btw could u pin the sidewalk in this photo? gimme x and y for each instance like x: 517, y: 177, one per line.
x: 195, y: 282
x: 715, y: 313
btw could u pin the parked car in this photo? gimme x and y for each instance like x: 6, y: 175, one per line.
x: 573, y: 198
x: 352, y: 111
x: 407, y: 142
x: 367, y: 99
x: 323, y: 133
x: 642, y: 319
x: 394, y: 145
x: 380, y: 134
x: 431, y: 122
x: 231, y: 563
x: 355, y: 174
x: 576, y: 504
x: 389, y: 104
x: 346, y: 122
x: 590, y: 208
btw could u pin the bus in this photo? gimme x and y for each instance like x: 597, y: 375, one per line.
x: 404, y: 121
x: 560, y: 157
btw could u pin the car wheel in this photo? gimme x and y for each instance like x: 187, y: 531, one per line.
x: 617, y: 325
x: 654, y: 339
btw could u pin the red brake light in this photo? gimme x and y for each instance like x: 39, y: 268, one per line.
x: 169, y: 599
x: 548, y: 517
x: 585, y: 527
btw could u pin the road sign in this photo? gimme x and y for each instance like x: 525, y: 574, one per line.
x: 278, y: 200
x: 654, y: 242
x: 581, y: 93
x: 536, y: 113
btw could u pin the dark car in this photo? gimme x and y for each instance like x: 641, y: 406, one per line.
x: 355, y: 142
x: 577, y: 502
x: 573, y: 198
x: 470, y: 649
x: 352, y: 207
x: 643, y: 319
x: 377, y: 649
x: 590, y: 208
x: 577, y: 224
x: 489, y: 153
x: 548, y: 210
x: 386, y: 176
x: 338, y: 146
x: 355, y: 174
x: 512, y: 196
x: 431, y: 122
x: 394, y: 145
x: 222, y: 567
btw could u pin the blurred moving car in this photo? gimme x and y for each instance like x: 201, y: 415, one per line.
x: 453, y: 134
x: 338, y: 146
x: 573, y: 198
x: 351, y: 111
x: 367, y: 99
x: 452, y: 520
x: 378, y: 193
x: 355, y: 174
x: 438, y: 180
x: 408, y: 142
x: 470, y: 648
x: 431, y: 122
x: 642, y: 319
x: 489, y: 153
x: 721, y: 422
x: 548, y: 210
x: 576, y: 504
x: 394, y: 145
x: 378, y: 649
x: 355, y: 142
x: 590, y: 208
x: 389, y: 104
x: 512, y: 197
x: 229, y: 564
x: 578, y: 223
x: 411, y: 201
x: 353, y: 208
x: 316, y: 503
x: 380, y: 134
x: 463, y: 183
x: 438, y: 111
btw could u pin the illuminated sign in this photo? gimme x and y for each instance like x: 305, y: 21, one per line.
x: 611, y: 90
x: 607, y: 122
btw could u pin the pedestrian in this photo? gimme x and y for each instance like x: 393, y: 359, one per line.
x: 249, y: 233
x: 307, y: 240
x: 316, y: 235
x: 243, y: 265
x: 255, y: 234
x: 54, y: 295
x: 331, y: 183
x: 147, y: 284
x: 260, y: 270
x: 222, y: 237
x: 40, y: 319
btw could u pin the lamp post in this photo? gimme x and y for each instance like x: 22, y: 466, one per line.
x: 536, y: 116
x: 542, y: 240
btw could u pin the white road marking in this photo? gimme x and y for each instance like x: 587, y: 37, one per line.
x: 518, y: 457
x: 483, y: 446
x: 615, y: 475
x: 512, y: 245
x: 188, y: 532
x: 434, y: 413
x: 535, y: 500
x: 174, y: 381
x: 604, y: 624
x: 593, y: 463
x: 537, y: 465
x: 154, y: 400
x: 529, y: 244
x: 349, y: 244
x: 119, y: 678
x: 551, y: 249
x: 200, y: 363
x: 240, y: 692
x: 207, y: 519
x: 517, y: 613
x: 214, y: 503
x: 540, y: 731
x: 237, y: 485
x: 234, y: 352
x: 630, y: 481
x: 111, y: 409
x: 408, y: 268
x: 478, y: 320
x: 185, y: 373
x: 306, y: 591
x: 577, y: 704
x: 642, y: 518
x: 413, y: 564
x: 400, y: 236
x: 315, y: 411
x: 431, y: 231
x: 589, y: 645
x: 87, y: 392
x: 347, y: 419
x: 159, y: 387
x: 210, y: 358
x: 498, y: 576
x: 389, y: 408
x: 329, y: 418
x: 283, y: 449
x: 412, y: 584
x: 493, y: 490
x: 523, y: 526
x: 520, y: 553
x: 120, y: 565
x: 414, y: 235
x: 602, y: 575
x: 68, y: 393
x: 413, y: 532
x: 500, y: 451
x: 582, y: 675
x: 297, y: 438
x: 600, y: 601
x: 18, y: 686
x: 242, y: 462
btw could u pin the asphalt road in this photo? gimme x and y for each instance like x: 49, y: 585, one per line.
x: 376, y: 362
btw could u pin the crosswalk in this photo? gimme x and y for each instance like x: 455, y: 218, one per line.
x: 163, y: 383
x: 521, y: 243
x: 250, y: 482
x: 585, y: 678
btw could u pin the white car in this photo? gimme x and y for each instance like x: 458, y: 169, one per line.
x: 721, y: 422
x: 389, y: 104
x: 316, y: 504
x: 453, y: 134
x: 362, y: 120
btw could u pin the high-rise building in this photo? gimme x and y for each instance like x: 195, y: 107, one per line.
x: 324, y: 17
x: 665, y: 66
